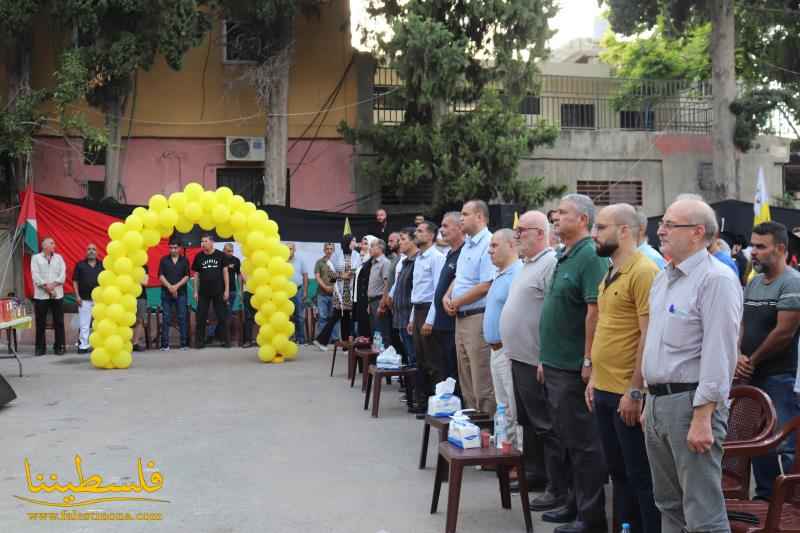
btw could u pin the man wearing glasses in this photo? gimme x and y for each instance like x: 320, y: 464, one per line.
x: 173, y: 272
x: 84, y: 279
x: 689, y: 361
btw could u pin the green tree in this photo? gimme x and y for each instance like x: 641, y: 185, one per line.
x: 113, y: 40
x: 463, y: 53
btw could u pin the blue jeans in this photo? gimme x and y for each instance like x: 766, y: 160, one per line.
x: 626, y: 458
x: 167, y: 302
x: 780, y: 389
x: 299, y: 317
x: 324, y: 312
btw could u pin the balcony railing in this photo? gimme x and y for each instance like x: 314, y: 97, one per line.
x: 573, y: 102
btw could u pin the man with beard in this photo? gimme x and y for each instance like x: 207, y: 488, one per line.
x: 768, y: 348
x: 615, y: 391
x: 84, y: 279
x: 385, y: 308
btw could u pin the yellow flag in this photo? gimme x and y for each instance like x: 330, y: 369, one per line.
x: 347, y: 230
x: 761, y: 202
x: 516, y: 220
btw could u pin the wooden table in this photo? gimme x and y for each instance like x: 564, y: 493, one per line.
x: 17, y: 323
x: 442, y: 424
x: 367, y: 356
x: 458, y: 459
x: 375, y: 375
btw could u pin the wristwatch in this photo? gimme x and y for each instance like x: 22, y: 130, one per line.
x: 587, y: 363
x: 636, y: 394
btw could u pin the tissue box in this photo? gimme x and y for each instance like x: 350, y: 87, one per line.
x: 443, y: 404
x: 464, y: 434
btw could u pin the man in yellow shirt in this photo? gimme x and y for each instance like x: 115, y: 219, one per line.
x: 615, y: 391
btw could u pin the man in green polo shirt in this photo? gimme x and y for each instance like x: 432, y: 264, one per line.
x: 569, y: 318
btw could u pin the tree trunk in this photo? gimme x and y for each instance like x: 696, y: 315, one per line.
x: 277, y: 139
x: 723, y: 84
x: 19, y: 84
x: 114, y: 109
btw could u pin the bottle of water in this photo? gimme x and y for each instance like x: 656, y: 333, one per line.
x: 377, y: 342
x: 500, y: 425
x: 626, y: 528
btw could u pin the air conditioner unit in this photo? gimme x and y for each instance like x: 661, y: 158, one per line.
x: 244, y: 149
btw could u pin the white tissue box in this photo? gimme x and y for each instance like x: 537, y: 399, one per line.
x: 464, y: 434
x: 443, y: 404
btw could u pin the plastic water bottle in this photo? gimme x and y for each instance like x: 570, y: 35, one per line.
x: 500, y: 426
x: 626, y: 528
x: 377, y: 342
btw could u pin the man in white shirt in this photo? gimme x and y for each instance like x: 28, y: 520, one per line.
x: 48, y: 272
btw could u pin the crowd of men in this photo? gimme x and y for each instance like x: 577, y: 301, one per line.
x: 613, y: 360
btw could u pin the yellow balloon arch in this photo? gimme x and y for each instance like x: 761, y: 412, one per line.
x: 265, y: 265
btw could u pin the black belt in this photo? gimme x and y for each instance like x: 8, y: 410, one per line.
x: 464, y: 314
x: 422, y: 305
x: 664, y: 389
x: 374, y: 298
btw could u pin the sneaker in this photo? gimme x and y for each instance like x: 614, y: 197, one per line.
x: 165, y: 348
x: 322, y: 347
x: 84, y: 350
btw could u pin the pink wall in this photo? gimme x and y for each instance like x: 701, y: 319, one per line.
x: 151, y: 166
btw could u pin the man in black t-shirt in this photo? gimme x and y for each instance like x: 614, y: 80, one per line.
x: 173, y: 272
x: 84, y: 279
x: 211, y: 286
x: 234, y: 271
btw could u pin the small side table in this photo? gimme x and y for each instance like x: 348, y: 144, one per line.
x: 442, y: 424
x: 368, y: 356
x: 458, y: 459
x: 18, y: 323
x: 375, y: 375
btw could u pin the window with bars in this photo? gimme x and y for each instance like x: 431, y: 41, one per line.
x: 247, y: 182
x: 637, y: 120
x: 612, y: 192
x: 577, y: 116
x: 240, y: 43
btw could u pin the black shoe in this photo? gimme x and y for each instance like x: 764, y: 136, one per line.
x: 534, y: 485
x: 226, y: 345
x: 560, y: 515
x: 60, y: 351
x: 137, y: 348
x: 547, y: 502
x: 582, y: 527
x: 247, y: 345
x: 39, y: 353
x: 84, y: 350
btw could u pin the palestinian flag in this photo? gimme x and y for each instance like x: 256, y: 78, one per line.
x: 26, y: 223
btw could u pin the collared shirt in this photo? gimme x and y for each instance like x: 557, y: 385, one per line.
x: 652, y: 254
x: 695, y: 314
x: 473, y: 268
x: 562, y: 328
x: 86, y: 276
x: 174, y: 271
x: 519, y: 322
x: 44, y: 271
x: 299, y: 270
x: 378, y: 276
x: 496, y: 300
x: 441, y: 320
x: 427, y: 268
x: 726, y: 259
x: 623, y: 298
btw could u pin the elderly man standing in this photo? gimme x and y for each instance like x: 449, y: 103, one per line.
x: 567, y: 327
x: 84, y: 280
x: 504, y: 255
x: 615, y: 391
x: 689, y: 359
x: 519, y: 332
x: 466, y: 300
x: 48, y: 273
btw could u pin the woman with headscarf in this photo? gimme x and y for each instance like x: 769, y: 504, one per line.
x: 361, y: 305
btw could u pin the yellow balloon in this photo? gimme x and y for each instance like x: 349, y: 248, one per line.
x: 137, y: 290
x: 150, y: 219
x: 224, y: 195
x: 111, y: 294
x: 106, y: 327
x: 240, y: 236
x: 113, y: 344
x: 106, y: 277
x: 116, y: 230
x: 193, y: 212
x: 236, y: 203
x: 193, y: 191
x: 288, y: 269
x: 123, y: 265
x: 250, y: 207
x: 208, y: 201
x: 260, y: 318
x: 238, y: 220
x: 290, y: 350
x: 177, y: 201
x: 277, y: 283
x: 279, y: 341
x: 287, y: 328
x: 151, y: 237
x: 278, y: 360
x: 125, y: 333
x: 268, y: 332
x: 108, y: 262
x: 268, y: 309
x: 166, y: 231
x: 265, y: 292
x: 133, y: 241
x: 224, y: 230
x: 206, y: 222
x: 157, y: 203
x: 287, y: 307
x: 116, y: 312
x: 184, y: 225
x: 291, y: 290
x: 139, y: 211
x: 256, y: 240
x: 257, y: 219
x: 261, y: 258
x: 128, y: 301
x: 95, y: 339
x: 130, y: 318
x: 260, y: 276
x: 275, y: 265
x: 121, y: 359
x: 134, y: 223
x: 272, y: 230
x: 167, y: 218
x: 139, y: 258
x: 282, y: 250
x: 117, y: 248
x: 278, y: 319
x: 221, y: 214
x: 100, y: 358
x: 97, y: 294
x: 99, y: 310
x: 266, y: 353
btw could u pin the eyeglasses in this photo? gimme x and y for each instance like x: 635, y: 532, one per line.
x: 520, y: 230
x: 671, y: 225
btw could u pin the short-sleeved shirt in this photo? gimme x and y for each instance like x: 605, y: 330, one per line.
x: 174, y: 271
x: 86, y: 276
x: 622, y: 299
x: 496, y: 299
x: 562, y: 328
x: 325, y: 272
x: 762, y: 302
x: 234, y: 269
x: 299, y: 270
x: 473, y: 268
x: 210, y: 274
x: 442, y: 321
x: 378, y: 276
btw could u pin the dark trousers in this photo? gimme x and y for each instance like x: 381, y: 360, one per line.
x: 346, y: 317
x: 41, y: 308
x: 576, y: 429
x: 446, y: 339
x: 249, y: 318
x: 626, y: 458
x: 168, y: 302
x: 221, y: 312
x: 430, y: 361
x: 544, y: 456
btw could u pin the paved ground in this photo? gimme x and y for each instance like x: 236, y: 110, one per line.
x: 242, y: 446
